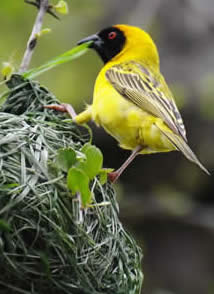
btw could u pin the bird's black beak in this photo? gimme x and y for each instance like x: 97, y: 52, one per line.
x: 95, y: 40
x: 97, y: 44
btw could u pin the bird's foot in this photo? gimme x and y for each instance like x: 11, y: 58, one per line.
x: 113, y: 176
x: 63, y: 108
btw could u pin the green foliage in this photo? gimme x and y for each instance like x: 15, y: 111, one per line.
x: 82, y: 167
x: 93, y: 160
x: 61, y: 7
x: 7, y: 70
x: 66, y: 158
x: 78, y: 181
x: 63, y: 58
x: 4, y: 226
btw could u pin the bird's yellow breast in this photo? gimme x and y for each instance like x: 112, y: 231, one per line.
x: 127, y: 123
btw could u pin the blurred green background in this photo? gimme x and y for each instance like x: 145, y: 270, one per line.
x: 165, y: 201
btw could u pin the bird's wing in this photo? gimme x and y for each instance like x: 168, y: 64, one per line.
x: 135, y: 83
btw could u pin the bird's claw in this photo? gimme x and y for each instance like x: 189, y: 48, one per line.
x: 63, y: 108
x: 113, y: 176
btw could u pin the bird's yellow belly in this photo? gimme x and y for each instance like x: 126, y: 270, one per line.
x: 128, y: 124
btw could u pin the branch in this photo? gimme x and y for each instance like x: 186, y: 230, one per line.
x: 36, y: 4
x: 31, y: 44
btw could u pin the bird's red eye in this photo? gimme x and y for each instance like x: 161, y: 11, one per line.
x: 112, y: 35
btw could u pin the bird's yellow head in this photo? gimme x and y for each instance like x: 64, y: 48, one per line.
x: 123, y: 42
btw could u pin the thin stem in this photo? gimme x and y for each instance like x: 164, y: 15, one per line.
x: 31, y: 44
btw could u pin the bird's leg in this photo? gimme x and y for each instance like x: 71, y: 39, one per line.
x: 63, y: 108
x: 80, y: 118
x: 113, y: 176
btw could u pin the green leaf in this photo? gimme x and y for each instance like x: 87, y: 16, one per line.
x: 85, y: 147
x: 45, y: 263
x: 4, y: 226
x: 43, y: 32
x: 7, y: 69
x: 78, y: 181
x: 6, y: 187
x: 66, y: 158
x: 65, y: 57
x: 61, y: 7
x: 94, y: 160
x: 103, y: 175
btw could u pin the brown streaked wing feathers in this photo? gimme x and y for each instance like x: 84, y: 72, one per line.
x: 143, y: 91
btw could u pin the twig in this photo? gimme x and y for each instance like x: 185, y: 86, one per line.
x: 49, y: 11
x: 31, y: 44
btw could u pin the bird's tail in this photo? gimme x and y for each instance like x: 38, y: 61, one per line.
x: 182, y: 146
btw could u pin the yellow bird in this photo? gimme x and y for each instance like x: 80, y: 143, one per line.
x: 132, y: 101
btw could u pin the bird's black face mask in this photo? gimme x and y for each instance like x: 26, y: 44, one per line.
x: 108, y: 42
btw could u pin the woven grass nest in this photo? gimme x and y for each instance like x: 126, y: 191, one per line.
x: 43, y: 244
